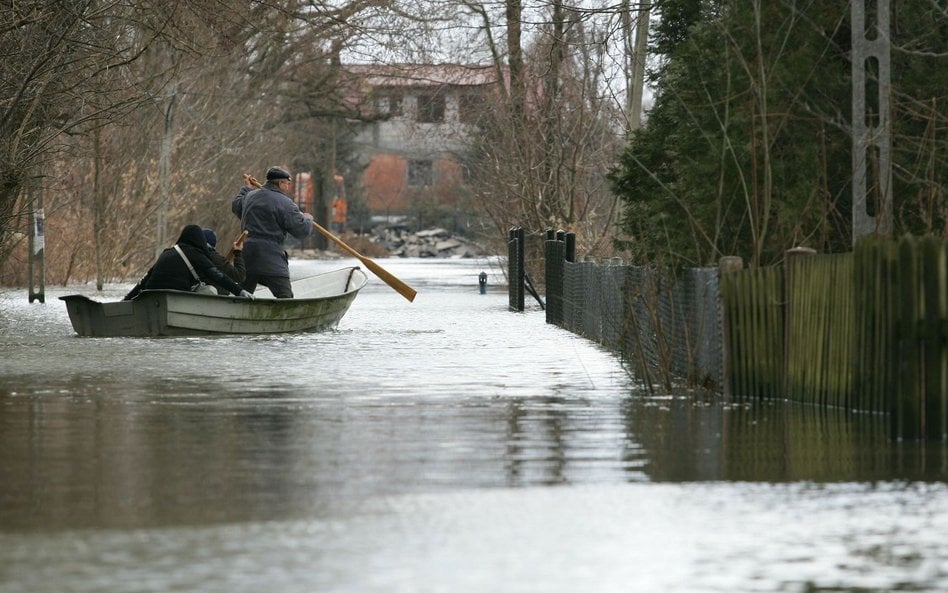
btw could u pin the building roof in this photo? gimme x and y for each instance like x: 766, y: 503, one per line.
x: 415, y: 75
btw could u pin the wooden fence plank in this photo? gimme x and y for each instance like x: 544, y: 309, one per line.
x: 932, y: 342
x: 908, y: 419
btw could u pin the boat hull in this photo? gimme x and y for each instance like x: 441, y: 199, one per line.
x: 322, y: 302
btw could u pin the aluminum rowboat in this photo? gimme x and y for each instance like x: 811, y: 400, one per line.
x: 319, y: 303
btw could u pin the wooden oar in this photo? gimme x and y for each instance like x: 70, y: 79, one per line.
x: 400, y: 287
x: 238, y: 244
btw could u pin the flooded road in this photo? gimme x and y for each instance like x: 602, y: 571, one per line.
x: 445, y: 445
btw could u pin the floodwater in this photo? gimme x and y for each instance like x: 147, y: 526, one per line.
x: 445, y: 445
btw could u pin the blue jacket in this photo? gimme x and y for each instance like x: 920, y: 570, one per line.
x: 269, y: 215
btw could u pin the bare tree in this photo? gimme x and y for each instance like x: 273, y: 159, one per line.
x: 140, y: 116
x: 545, y: 167
x: 65, y: 68
x: 186, y: 97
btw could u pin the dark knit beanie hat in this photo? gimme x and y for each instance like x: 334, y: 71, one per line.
x: 211, y: 238
x: 274, y: 173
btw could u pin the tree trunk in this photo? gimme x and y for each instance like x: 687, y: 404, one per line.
x: 515, y: 58
x: 97, y: 205
x: 551, y: 160
x: 164, y: 174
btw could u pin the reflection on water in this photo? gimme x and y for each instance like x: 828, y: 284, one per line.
x: 686, y: 440
x: 442, y: 445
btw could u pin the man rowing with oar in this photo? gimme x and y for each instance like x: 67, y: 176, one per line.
x: 270, y: 214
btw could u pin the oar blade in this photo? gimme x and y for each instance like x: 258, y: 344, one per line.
x: 400, y: 287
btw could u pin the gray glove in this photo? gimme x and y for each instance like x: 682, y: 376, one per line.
x: 245, y: 295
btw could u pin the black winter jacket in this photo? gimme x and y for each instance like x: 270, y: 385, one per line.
x: 235, y: 271
x: 170, y: 271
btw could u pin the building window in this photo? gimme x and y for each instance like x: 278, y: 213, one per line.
x: 420, y: 173
x: 470, y: 108
x: 389, y: 103
x: 430, y: 108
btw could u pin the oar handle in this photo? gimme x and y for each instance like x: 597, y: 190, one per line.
x: 238, y: 244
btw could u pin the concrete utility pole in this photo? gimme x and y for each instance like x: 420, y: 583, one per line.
x: 638, y: 61
x: 634, y: 49
x: 872, y: 130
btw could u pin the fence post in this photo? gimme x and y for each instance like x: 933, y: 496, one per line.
x: 727, y: 265
x: 37, y: 256
x: 515, y: 268
x: 36, y: 259
x: 511, y: 269
x: 790, y: 256
x: 522, y: 265
x: 554, y: 256
x: 908, y: 411
x: 934, y: 268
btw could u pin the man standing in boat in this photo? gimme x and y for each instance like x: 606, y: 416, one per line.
x: 270, y: 214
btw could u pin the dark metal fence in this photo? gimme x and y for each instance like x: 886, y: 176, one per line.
x: 515, y: 265
x: 668, y: 326
x: 863, y: 331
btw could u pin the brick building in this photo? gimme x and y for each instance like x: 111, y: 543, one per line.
x: 412, y: 153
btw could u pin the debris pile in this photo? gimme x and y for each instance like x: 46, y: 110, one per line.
x: 427, y: 243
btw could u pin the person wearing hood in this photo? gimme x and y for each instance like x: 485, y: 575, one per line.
x: 270, y: 215
x: 172, y: 270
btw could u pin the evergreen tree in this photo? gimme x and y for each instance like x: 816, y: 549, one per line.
x: 747, y: 150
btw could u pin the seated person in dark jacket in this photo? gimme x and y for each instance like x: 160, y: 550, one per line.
x: 235, y: 271
x: 171, y: 272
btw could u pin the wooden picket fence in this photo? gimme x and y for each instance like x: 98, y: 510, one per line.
x: 752, y: 302
x: 902, y: 316
x: 864, y: 331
